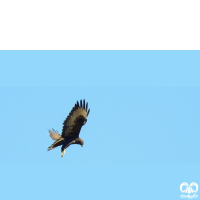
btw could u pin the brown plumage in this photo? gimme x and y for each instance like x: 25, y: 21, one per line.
x: 71, y: 127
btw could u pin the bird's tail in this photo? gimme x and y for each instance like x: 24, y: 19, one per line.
x: 57, y: 143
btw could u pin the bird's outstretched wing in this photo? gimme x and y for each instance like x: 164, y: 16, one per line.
x: 76, y: 119
x: 56, y: 143
x: 54, y: 134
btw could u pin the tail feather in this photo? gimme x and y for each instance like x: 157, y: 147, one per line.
x: 54, y: 134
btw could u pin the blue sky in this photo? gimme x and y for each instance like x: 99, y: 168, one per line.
x: 141, y: 138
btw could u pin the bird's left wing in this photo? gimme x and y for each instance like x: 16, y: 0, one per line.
x: 54, y: 134
x: 73, y: 123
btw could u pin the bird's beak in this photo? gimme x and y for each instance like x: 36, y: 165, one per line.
x: 82, y: 145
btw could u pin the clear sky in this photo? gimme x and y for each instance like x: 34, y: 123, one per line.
x: 142, y: 134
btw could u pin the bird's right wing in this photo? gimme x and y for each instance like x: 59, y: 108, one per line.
x: 56, y: 144
x: 54, y: 134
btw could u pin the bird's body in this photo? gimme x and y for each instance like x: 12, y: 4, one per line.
x: 71, y: 128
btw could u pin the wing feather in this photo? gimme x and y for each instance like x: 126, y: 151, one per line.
x: 56, y: 143
x: 86, y: 106
x: 80, y: 103
x: 73, y: 123
x: 83, y: 103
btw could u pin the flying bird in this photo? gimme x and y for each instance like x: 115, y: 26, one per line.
x: 71, y: 128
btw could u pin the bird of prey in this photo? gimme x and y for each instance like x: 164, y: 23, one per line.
x: 71, y: 128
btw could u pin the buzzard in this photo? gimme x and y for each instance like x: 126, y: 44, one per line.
x: 71, y: 128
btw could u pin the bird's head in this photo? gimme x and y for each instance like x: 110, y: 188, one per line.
x: 79, y: 141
